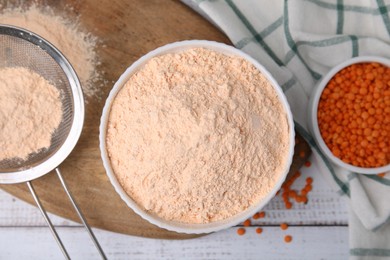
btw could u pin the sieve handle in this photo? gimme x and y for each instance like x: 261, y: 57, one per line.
x: 89, y: 230
x: 44, y: 214
x: 52, y: 229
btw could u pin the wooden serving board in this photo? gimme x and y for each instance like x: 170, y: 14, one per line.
x: 127, y: 29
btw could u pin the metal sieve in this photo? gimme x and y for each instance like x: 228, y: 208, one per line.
x: 21, y: 48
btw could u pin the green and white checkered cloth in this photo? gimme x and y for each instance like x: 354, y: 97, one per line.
x: 298, y: 41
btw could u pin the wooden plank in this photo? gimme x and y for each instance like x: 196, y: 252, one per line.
x: 308, y: 243
x: 17, y: 213
x: 325, y: 207
x: 127, y: 30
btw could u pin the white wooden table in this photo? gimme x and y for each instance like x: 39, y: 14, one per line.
x: 319, y: 230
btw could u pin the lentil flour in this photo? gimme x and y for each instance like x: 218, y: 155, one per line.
x: 197, y: 136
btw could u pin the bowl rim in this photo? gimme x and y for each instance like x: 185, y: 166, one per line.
x: 183, y: 227
x: 313, y: 108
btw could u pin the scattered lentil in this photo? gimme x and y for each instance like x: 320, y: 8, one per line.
x: 241, y: 231
x: 256, y: 216
x: 287, y: 238
x: 259, y: 230
x: 247, y: 223
x: 284, y: 226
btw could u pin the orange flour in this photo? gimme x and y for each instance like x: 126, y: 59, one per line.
x: 30, y: 111
x: 197, y: 136
x: 66, y: 35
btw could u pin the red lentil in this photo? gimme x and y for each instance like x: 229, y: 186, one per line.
x: 354, y: 111
x: 247, y: 223
x: 256, y: 216
x: 262, y: 214
x: 241, y: 231
x: 284, y: 226
x: 287, y: 238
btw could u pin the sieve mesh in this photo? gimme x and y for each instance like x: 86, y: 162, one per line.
x: 22, y: 49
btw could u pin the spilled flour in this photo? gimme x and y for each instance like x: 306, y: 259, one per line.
x: 30, y: 112
x: 77, y: 45
x: 197, y: 136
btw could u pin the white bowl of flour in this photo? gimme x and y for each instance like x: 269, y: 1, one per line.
x: 196, y: 136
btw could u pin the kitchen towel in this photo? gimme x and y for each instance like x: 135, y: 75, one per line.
x: 299, y: 41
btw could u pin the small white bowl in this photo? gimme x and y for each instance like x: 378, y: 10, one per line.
x: 183, y: 227
x: 313, y: 120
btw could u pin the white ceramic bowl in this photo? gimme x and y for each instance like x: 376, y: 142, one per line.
x: 182, y: 227
x: 313, y: 121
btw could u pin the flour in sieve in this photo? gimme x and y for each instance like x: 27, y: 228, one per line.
x: 66, y: 35
x: 30, y: 111
x: 197, y: 136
